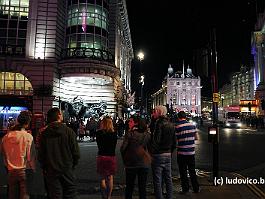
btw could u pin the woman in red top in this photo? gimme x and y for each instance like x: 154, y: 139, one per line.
x: 106, y: 139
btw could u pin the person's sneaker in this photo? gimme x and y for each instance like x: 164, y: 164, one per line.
x: 198, y: 191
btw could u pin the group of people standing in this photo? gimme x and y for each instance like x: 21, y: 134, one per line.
x: 148, y: 145
x: 144, y: 145
x: 57, y: 152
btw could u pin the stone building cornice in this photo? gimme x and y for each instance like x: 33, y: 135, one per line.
x: 81, y: 66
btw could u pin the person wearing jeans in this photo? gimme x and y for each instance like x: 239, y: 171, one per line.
x: 163, y: 143
x: 161, y: 167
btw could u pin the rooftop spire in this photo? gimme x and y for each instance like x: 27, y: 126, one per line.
x: 183, y: 70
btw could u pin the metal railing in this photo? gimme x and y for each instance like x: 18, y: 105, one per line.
x: 12, y: 50
x: 91, y: 53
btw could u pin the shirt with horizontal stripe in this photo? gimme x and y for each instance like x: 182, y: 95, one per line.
x: 185, y: 135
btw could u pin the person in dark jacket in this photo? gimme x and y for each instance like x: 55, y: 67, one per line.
x: 58, y: 156
x: 106, y: 138
x: 163, y: 143
x: 136, y: 157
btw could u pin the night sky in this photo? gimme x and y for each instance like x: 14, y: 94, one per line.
x: 170, y: 31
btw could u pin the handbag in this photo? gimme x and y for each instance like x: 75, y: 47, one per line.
x: 142, y: 152
x: 134, y: 153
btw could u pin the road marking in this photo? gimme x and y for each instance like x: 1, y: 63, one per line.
x: 202, y: 173
x: 92, y: 144
x: 252, y: 187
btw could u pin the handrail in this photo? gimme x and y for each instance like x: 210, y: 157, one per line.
x: 91, y: 53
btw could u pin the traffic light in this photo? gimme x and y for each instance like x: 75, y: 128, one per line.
x: 263, y: 104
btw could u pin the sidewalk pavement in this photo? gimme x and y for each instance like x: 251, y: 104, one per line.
x: 208, y: 190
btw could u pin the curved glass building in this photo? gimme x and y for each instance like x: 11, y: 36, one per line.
x: 63, y: 50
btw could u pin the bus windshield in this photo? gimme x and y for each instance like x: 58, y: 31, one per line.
x: 234, y: 115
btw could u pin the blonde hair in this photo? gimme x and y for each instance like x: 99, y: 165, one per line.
x: 161, y: 110
x: 107, y: 125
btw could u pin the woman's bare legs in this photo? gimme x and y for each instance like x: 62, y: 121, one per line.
x: 103, y: 188
x: 109, y: 184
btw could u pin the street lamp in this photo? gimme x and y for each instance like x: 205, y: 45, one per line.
x: 141, y: 81
x: 222, y: 98
x: 140, y: 56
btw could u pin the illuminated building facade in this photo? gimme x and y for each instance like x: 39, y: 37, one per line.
x: 240, y: 91
x: 258, y: 52
x: 59, y: 50
x: 180, y: 91
x: 242, y: 85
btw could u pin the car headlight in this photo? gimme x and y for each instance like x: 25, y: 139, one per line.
x: 239, y: 124
x: 227, y: 124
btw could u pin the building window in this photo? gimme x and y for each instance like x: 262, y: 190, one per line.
x: 13, y: 24
x: 14, y: 83
x: 92, y: 15
x: 16, y: 8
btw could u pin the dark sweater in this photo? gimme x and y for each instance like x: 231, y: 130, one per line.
x: 59, y: 150
x: 106, y: 142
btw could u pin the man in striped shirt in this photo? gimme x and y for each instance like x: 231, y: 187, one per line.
x: 186, y: 135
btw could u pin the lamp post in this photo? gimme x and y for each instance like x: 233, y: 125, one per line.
x: 142, y: 86
x: 213, y: 57
x: 222, y: 98
x: 140, y: 56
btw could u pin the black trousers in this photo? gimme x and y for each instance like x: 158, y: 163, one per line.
x: 61, y: 186
x: 187, y: 162
x: 131, y: 174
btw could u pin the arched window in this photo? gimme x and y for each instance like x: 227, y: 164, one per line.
x: 14, y: 83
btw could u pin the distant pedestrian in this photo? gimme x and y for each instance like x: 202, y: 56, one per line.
x: 106, y: 139
x: 19, y: 154
x: 186, y: 135
x: 58, y: 156
x: 120, y: 127
x: 81, y: 130
x: 136, y: 157
x: 163, y: 143
x: 92, y: 126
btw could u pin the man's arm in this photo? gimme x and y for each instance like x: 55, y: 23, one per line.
x: 196, y: 135
x: 42, y: 150
x: 124, y: 143
x: 31, y: 156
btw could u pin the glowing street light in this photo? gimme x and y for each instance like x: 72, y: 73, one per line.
x: 142, y: 80
x: 140, y: 56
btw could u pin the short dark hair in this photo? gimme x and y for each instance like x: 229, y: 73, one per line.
x: 24, y: 117
x: 182, y: 114
x: 52, y: 114
x: 140, y: 124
